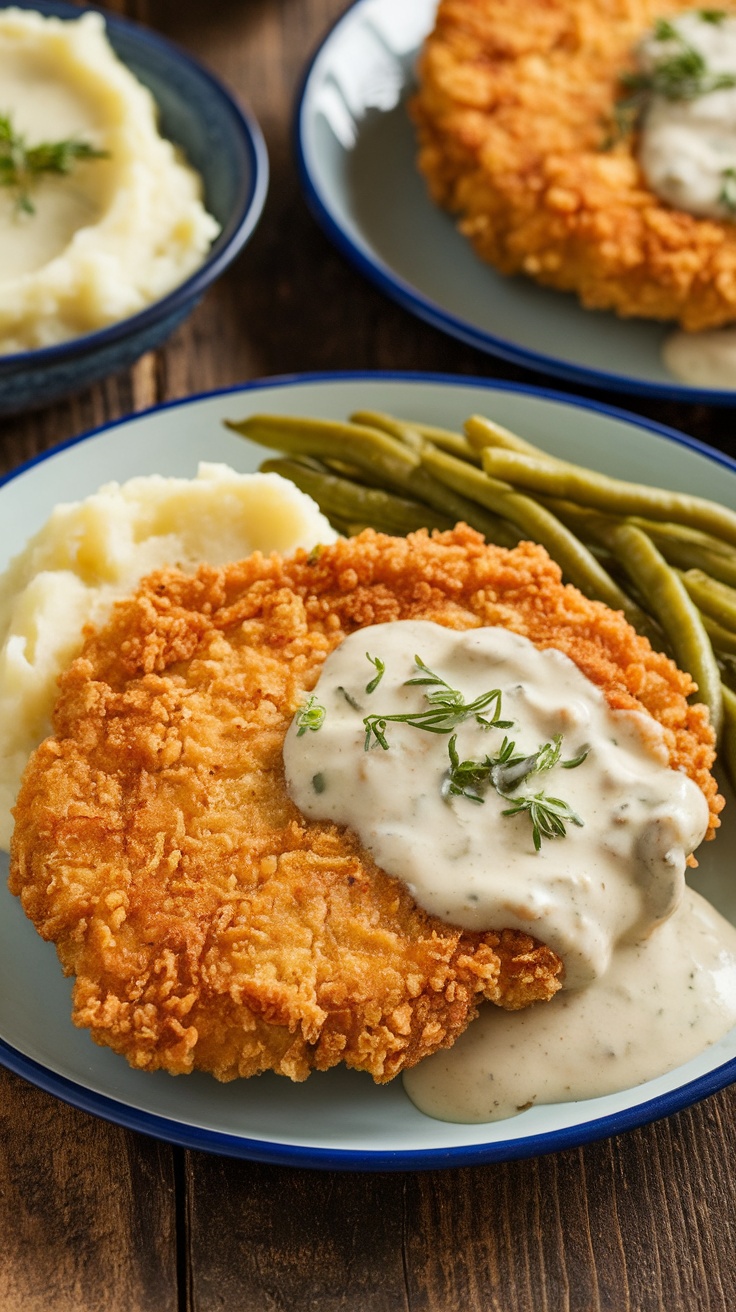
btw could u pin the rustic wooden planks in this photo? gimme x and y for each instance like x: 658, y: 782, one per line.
x: 87, y: 1211
x: 98, y: 1219
x: 641, y: 1222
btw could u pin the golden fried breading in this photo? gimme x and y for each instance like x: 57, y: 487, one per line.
x: 514, y: 107
x: 208, y: 923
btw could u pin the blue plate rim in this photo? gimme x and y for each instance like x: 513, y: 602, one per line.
x: 321, y: 1158
x: 225, y: 248
x: 317, y: 377
x: 411, y: 299
x: 337, y: 1159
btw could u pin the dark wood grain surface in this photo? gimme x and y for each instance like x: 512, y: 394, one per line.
x: 95, y: 1218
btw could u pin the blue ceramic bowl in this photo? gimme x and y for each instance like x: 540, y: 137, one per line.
x: 224, y: 143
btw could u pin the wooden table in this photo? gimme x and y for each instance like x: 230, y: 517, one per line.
x: 94, y: 1218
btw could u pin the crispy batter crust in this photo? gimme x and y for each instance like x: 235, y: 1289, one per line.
x: 515, y: 102
x: 208, y: 923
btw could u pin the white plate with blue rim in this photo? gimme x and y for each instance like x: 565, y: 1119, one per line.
x: 356, y: 152
x: 339, y: 1119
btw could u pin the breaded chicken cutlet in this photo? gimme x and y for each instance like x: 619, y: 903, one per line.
x: 514, y: 106
x: 208, y: 923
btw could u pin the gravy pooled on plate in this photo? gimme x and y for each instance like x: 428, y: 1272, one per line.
x: 494, y: 779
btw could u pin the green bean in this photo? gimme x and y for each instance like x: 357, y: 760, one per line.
x: 681, y: 545
x: 598, y: 491
x: 398, y: 428
x: 688, y: 553
x: 347, y: 502
x: 681, y: 549
x: 368, y: 448
x: 716, y: 599
x: 723, y: 641
x: 684, y: 547
x: 691, y: 537
x: 344, y: 469
x: 589, y: 525
x: 670, y: 603
x: 349, y: 528
x: 415, y: 435
x: 454, y: 443
x: 482, y: 433
x: 727, y: 666
x: 375, y: 451
x: 728, y: 737
x: 576, y: 562
x: 682, y: 538
x: 361, y: 476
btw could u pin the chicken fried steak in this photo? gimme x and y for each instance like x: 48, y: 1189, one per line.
x: 208, y: 923
x: 517, y: 123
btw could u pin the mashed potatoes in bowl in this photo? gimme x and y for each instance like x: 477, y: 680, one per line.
x: 89, y: 553
x: 117, y: 232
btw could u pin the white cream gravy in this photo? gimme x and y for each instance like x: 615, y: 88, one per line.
x: 650, y: 966
x: 608, y: 880
x: 706, y: 359
x: 662, y: 1002
x: 687, y: 147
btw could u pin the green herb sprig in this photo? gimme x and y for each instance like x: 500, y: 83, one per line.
x: 447, y: 709
x: 727, y: 194
x: 351, y: 701
x: 21, y: 165
x: 506, y: 772
x: 680, y: 73
x: 380, y: 669
x: 311, y: 715
x: 547, y: 814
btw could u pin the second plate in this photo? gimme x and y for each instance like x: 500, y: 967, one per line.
x: 357, y: 159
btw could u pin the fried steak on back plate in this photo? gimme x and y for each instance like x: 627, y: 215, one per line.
x: 516, y: 118
x: 208, y: 924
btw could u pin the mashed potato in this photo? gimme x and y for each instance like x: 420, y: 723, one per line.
x: 114, y: 234
x: 91, y: 552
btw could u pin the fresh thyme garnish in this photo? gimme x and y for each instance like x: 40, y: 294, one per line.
x: 20, y: 164
x: 447, y: 709
x: 380, y: 671
x: 625, y: 118
x: 547, y: 814
x: 506, y: 772
x: 727, y: 194
x: 311, y: 715
x: 680, y: 72
x: 349, y: 698
x: 468, y: 778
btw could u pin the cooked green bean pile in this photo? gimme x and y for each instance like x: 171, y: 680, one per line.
x: 666, y: 559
